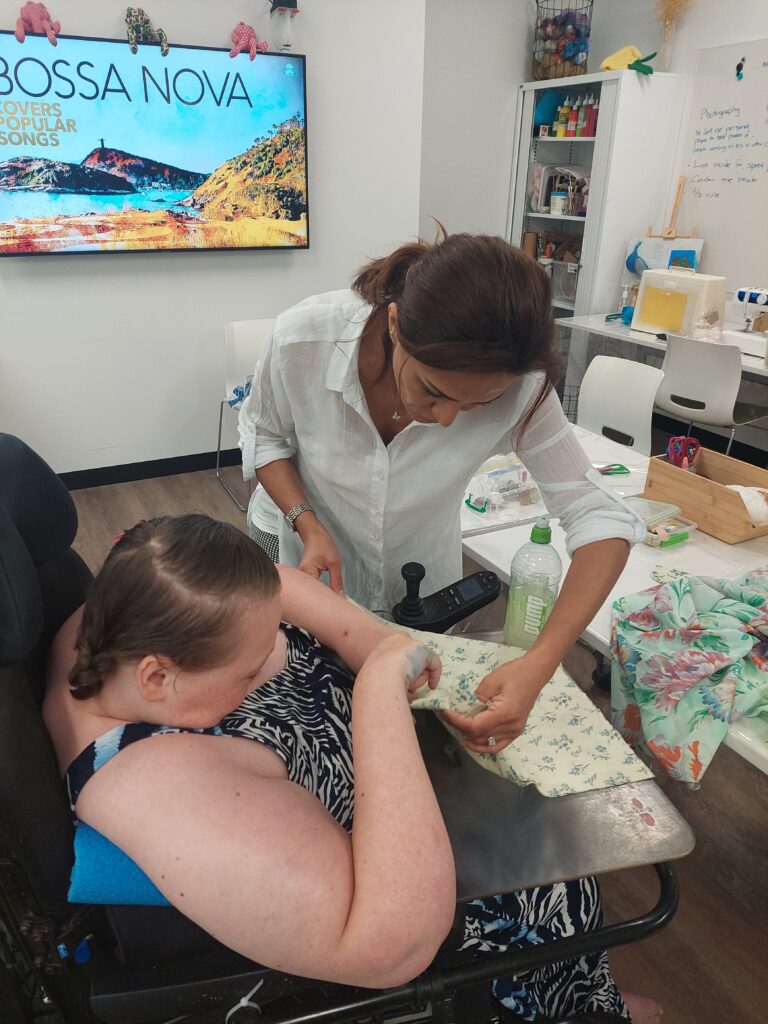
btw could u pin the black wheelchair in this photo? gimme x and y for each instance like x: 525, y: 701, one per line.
x: 72, y: 964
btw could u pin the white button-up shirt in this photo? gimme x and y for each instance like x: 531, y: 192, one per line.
x: 389, y: 504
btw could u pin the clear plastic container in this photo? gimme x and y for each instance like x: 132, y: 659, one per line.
x: 534, y: 581
x: 565, y: 280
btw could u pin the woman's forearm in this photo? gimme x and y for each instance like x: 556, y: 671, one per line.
x: 404, y: 876
x: 282, y: 483
x: 593, y: 571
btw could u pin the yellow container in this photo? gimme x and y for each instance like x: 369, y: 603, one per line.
x: 675, y: 300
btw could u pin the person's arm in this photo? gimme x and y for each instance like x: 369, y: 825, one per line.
x: 265, y: 425
x: 513, y: 687
x: 350, y: 631
x: 247, y: 856
x: 600, y: 529
x: 281, y: 482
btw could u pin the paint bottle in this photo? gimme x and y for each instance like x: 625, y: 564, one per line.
x: 589, y: 103
x: 562, y: 117
x: 582, y: 117
x: 591, y: 126
x: 573, y: 120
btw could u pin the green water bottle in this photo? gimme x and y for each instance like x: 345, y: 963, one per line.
x: 534, y: 579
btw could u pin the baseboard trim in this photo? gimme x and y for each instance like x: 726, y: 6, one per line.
x: 81, y: 478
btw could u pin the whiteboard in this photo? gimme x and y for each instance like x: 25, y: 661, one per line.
x: 726, y: 163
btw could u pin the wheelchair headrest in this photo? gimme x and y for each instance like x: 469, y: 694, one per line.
x: 38, y: 522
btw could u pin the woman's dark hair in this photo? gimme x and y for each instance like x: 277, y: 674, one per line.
x: 168, y: 586
x: 468, y: 303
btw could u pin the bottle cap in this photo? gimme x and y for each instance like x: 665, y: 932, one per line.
x: 542, y: 531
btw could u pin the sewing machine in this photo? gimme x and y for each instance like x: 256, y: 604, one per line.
x: 754, y: 307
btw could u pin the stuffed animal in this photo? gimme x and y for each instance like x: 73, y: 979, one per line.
x: 244, y: 39
x: 35, y: 18
x: 140, y: 31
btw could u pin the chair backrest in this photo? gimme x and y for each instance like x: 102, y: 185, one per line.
x: 244, y: 342
x: 701, y: 381
x: 42, y: 581
x: 616, y: 397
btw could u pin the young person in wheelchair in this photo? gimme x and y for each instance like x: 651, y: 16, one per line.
x: 241, y: 808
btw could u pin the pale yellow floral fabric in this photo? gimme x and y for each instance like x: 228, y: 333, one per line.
x: 567, y: 746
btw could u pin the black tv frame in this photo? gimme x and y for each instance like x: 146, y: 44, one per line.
x: 208, y: 249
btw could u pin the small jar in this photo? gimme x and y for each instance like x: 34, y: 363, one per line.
x: 558, y: 203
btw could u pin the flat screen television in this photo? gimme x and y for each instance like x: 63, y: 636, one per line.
x: 104, y: 150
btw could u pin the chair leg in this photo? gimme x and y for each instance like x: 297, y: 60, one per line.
x: 730, y: 441
x: 243, y: 508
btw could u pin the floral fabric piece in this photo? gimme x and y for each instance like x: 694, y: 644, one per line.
x: 689, y: 658
x: 567, y: 745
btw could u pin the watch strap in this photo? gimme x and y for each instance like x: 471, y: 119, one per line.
x: 293, y: 513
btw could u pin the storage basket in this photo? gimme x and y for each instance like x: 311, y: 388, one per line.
x: 565, y: 281
x: 704, y: 497
x: 561, y: 38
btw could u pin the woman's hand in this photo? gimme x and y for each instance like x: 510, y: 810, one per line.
x: 406, y: 659
x: 509, y: 692
x: 320, y: 553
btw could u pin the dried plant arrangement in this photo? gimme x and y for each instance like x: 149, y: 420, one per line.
x: 669, y: 13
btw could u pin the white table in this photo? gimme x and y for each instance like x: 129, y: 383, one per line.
x: 601, y: 452
x: 701, y: 555
x: 752, y: 365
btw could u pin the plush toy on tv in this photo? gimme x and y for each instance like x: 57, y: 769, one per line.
x: 245, y: 40
x: 140, y: 31
x: 34, y: 18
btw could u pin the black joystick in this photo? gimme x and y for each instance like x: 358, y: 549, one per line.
x: 440, y: 611
x: 413, y: 573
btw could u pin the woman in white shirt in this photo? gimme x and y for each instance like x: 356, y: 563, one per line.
x: 373, y: 407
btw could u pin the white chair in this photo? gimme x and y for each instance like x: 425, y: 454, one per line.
x: 616, y: 397
x: 701, y: 384
x: 243, y: 346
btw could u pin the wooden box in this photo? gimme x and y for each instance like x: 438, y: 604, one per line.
x: 703, y: 497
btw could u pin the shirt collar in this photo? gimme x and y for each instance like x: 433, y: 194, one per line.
x: 342, y: 373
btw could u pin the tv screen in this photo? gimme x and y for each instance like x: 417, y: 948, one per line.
x: 103, y: 150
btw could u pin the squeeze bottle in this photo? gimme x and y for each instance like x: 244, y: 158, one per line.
x: 534, y: 579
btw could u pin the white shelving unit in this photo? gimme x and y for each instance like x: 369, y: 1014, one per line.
x: 632, y: 165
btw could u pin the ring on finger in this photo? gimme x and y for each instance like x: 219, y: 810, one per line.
x: 491, y: 741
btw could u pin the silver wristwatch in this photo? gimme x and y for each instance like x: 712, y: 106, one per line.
x: 293, y: 513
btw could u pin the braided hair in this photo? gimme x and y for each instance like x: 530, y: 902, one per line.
x: 169, y: 586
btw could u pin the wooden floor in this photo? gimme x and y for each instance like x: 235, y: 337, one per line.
x: 710, y: 965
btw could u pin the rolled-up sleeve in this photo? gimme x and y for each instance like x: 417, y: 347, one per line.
x: 265, y: 423
x: 573, y: 491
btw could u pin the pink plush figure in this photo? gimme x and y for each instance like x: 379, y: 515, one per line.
x: 36, y: 19
x: 244, y: 38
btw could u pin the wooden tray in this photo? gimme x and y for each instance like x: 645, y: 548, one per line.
x: 703, y: 497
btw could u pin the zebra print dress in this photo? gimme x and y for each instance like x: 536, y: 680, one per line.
x: 304, y: 714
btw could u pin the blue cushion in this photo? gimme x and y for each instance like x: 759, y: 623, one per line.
x: 102, y: 873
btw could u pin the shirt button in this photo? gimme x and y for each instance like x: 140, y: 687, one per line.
x: 381, y: 476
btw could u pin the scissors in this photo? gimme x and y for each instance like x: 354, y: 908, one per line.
x: 615, y: 469
x: 682, y: 449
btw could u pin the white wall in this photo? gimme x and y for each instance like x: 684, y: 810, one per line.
x: 108, y: 360
x: 476, y: 55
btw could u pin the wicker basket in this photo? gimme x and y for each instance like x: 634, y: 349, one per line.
x: 561, y: 38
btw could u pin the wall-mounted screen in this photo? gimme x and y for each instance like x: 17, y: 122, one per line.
x: 103, y: 150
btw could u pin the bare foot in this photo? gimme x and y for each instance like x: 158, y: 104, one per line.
x: 642, y: 1010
